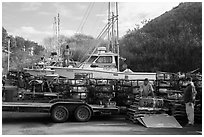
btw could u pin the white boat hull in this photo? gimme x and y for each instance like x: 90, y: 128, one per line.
x: 39, y: 72
x: 72, y: 72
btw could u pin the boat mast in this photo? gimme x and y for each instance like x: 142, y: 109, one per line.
x: 113, y: 41
x: 58, y: 33
x: 113, y: 34
x: 108, y: 25
x: 56, y: 28
x: 54, y: 33
x: 117, y: 38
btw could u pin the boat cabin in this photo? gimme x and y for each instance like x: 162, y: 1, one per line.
x: 102, y: 60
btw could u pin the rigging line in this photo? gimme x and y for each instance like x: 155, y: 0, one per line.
x: 92, y: 28
x: 98, y: 37
x: 102, y: 7
x: 105, y: 29
x: 96, y: 21
x: 83, y: 20
x: 84, y: 17
x: 78, y: 30
x: 83, y: 26
x: 88, y: 50
x: 87, y: 16
x: 90, y: 55
x: 108, y: 26
x: 92, y: 46
x: 102, y: 34
x: 92, y: 52
x: 105, y: 32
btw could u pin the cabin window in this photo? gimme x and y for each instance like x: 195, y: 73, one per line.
x: 92, y: 59
x: 102, y: 59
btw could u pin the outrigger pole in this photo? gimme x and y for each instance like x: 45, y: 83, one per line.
x: 108, y: 22
x: 117, y: 43
x: 111, y: 22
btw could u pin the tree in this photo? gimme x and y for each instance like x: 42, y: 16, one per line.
x: 20, y: 52
x: 80, y: 45
x: 171, y: 42
x: 4, y: 38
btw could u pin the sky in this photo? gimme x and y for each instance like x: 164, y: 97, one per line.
x: 34, y: 20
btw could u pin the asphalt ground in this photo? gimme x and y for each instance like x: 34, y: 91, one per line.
x: 15, y: 123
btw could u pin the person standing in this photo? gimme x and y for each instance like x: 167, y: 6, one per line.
x: 66, y: 56
x: 146, y: 89
x: 189, y: 99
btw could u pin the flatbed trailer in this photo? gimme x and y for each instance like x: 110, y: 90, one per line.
x: 61, y: 110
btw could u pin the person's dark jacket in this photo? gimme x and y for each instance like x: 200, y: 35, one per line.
x: 188, y: 94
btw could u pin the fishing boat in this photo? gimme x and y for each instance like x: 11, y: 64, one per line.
x: 103, y: 62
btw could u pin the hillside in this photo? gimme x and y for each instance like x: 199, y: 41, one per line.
x: 171, y: 42
x: 173, y: 22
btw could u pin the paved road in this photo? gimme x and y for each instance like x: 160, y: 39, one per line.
x: 35, y: 124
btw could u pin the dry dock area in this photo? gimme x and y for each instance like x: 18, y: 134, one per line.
x: 15, y: 123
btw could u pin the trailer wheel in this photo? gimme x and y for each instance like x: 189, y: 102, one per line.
x: 82, y: 113
x: 59, y: 114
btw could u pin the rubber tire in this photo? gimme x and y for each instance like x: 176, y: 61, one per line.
x: 59, y: 114
x: 82, y: 113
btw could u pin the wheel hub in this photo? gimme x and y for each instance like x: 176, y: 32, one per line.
x: 83, y: 113
x: 60, y: 114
